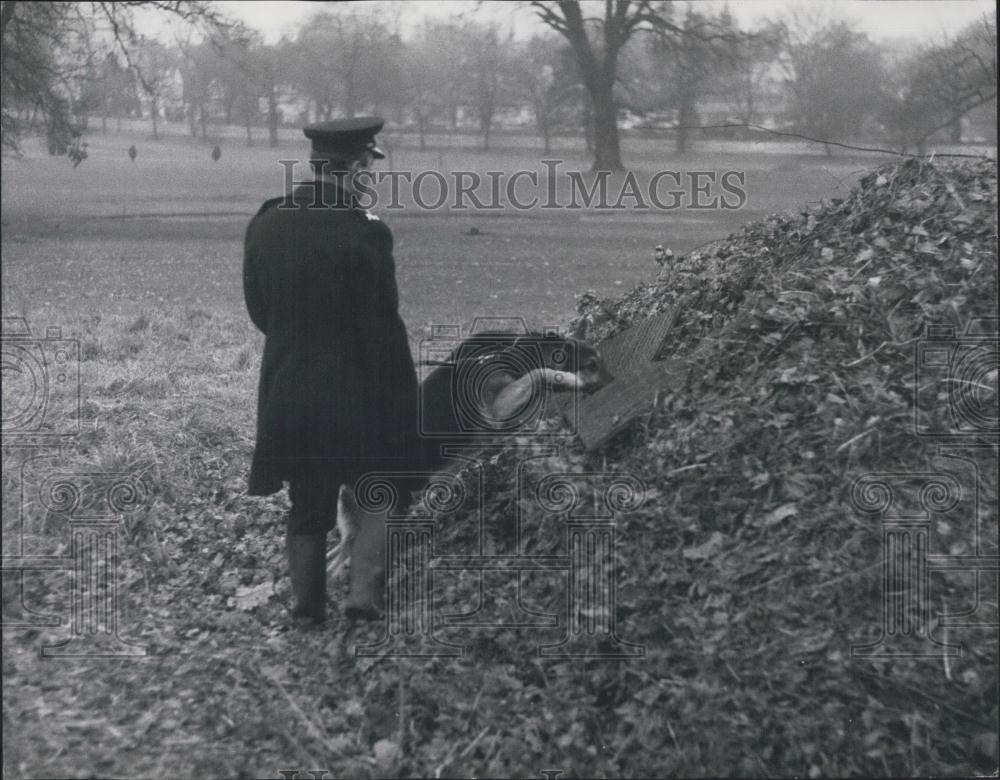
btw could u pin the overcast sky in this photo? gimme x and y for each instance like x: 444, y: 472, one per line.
x: 919, y: 19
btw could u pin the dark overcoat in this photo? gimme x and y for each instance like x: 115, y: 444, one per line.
x: 338, y: 389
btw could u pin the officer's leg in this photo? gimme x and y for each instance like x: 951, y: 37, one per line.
x: 306, y: 550
x: 347, y: 526
x: 366, y: 599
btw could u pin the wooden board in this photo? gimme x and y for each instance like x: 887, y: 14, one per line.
x: 601, y: 415
x: 628, y: 356
x: 638, y: 344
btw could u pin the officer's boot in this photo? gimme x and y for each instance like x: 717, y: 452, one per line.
x: 307, y: 567
x: 366, y: 598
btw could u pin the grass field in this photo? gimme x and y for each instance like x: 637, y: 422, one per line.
x: 141, y: 234
x: 140, y: 262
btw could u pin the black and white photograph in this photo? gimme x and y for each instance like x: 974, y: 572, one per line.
x: 500, y: 389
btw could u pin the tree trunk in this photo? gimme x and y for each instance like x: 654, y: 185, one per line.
x: 955, y: 131
x: 607, y: 147
x: 350, y: 98
x: 104, y: 105
x: 154, y: 115
x: 421, y: 128
x: 687, y: 118
x: 547, y: 139
x: 272, y: 118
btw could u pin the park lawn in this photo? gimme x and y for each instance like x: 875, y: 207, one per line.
x: 168, y: 373
x: 171, y: 224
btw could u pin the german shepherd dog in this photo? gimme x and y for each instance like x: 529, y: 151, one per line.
x: 497, y: 383
x: 489, y: 385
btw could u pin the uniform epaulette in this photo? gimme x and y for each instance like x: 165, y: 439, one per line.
x: 270, y: 204
x: 365, y: 216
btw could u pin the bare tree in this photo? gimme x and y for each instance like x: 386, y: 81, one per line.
x: 486, y: 56
x: 597, y: 43
x: 690, y: 61
x: 545, y: 75
x: 941, y: 84
x: 339, y: 55
x: 198, y: 70
x: 421, y: 69
x: 115, y: 88
x: 154, y: 64
x: 835, y: 79
x: 272, y: 77
x: 46, y: 45
x: 450, y: 69
x: 240, y: 67
x: 433, y: 74
x: 743, y: 79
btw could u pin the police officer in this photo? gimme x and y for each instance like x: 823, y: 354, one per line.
x: 338, y: 390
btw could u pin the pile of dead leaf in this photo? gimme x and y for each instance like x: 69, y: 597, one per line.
x: 747, y: 574
x: 744, y: 573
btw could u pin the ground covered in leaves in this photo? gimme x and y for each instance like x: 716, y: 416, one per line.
x: 746, y: 575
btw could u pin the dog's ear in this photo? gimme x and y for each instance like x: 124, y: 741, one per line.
x: 579, y: 331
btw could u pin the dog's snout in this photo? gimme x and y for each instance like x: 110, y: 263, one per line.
x: 600, y: 378
x: 594, y: 374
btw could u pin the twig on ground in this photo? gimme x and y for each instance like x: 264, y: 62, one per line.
x: 863, y: 358
x: 853, y: 439
x: 472, y: 745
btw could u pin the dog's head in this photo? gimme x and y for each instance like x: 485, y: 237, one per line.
x: 569, y: 363
x: 556, y: 365
x: 590, y: 368
x: 501, y: 382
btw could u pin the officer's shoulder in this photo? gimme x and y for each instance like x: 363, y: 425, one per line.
x: 365, y: 216
x: 270, y: 204
x: 372, y: 223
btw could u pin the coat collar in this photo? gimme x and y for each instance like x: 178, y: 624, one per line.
x: 324, y: 192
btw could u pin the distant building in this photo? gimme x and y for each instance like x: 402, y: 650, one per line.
x: 293, y: 110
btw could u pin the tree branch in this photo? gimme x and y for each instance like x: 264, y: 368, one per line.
x: 6, y: 14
